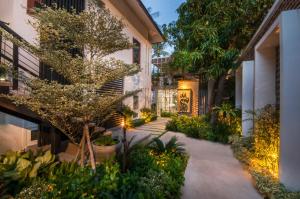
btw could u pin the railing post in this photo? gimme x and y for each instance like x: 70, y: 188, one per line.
x: 15, y: 66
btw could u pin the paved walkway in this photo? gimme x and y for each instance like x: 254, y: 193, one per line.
x: 212, y: 171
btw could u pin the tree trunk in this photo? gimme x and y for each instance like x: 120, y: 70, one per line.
x: 91, y: 151
x: 81, y: 151
x: 218, y: 97
x: 211, y: 95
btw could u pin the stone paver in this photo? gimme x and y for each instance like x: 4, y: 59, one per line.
x: 212, y: 171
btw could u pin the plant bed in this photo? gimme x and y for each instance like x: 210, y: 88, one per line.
x: 156, y: 171
x: 105, y: 148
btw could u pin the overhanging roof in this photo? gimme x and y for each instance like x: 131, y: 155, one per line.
x: 137, y: 14
x: 274, y: 12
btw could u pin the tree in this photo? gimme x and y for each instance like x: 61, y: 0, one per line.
x: 77, y: 48
x: 210, y: 34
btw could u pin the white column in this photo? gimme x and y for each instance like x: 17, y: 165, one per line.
x: 290, y: 99
x: 238, y: 87
x: 247, y: 96
x: 265, y: 64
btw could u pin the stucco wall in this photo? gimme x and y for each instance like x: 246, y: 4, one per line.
x: 264, y: 77
x: 289, y: 99
x: 247, y: 96
x: 142, y: 80
x: 15, y: 133
x: 194, y: 86
x: 238, y: 87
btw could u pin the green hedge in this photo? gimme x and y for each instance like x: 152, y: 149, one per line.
x: 167, y: 114
x: 199, y: 127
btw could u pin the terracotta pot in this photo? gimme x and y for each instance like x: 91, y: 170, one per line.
x: 106, y: 152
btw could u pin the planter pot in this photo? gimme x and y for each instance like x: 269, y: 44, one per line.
x: 106, y: 152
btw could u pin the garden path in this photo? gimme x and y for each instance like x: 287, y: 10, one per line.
x: 212, y: 171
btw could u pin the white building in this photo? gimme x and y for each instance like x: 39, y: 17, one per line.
x: 269, y: 74
x: 16, y: 125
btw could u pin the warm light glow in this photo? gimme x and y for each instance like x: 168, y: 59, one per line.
x: 2, y: 79
x: 123, y: 123
x: 277, y: 30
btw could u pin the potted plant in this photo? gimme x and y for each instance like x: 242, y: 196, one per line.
x: 105, y: 147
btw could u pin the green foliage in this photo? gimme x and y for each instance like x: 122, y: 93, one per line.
x: 17, y: 169
x: 199, y: 126
x: 137, y: 122
x: 105, y: 141
x: 266, y: 184
x: 152, y: 174
x: 195, y: 127
x: 160, y: 176
x: 148, y: 115
x: 167, y: 114
x: 97, y: 33
x: 210, y: 34
x: 266, y: 140
x: 172, y: 146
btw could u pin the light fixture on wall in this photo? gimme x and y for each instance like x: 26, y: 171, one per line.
x: 277, y: 30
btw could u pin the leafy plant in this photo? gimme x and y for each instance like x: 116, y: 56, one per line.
x: 18, y: 168
x: 167, y: 114
x: 105, y: 141
x: 148, y: 115
x: 172, y: 146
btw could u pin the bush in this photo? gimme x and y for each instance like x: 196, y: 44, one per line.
x: 195, y: 127
x: 265, y: 183
x: 152, y: 174
x: 148, y: 115
x: 167, y: 114
x: 18, y: 169
x: 137, y: 122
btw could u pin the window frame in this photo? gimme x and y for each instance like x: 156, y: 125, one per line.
x: 135, y: 41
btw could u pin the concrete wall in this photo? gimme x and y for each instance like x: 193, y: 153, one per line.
x: 238, y: 87
x: 264, y: 76
x: 290, y: 98
x: 194, y: 86
x: 247, y: 96
x: 142, y: 80
x: 15, y: 133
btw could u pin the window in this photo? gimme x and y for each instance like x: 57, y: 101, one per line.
x: 136, y: 52
x: 31, y: 4
x: 135, y: 102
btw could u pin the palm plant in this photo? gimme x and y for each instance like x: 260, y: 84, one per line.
x: 172, y: 146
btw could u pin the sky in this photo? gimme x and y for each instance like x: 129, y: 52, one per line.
x: 167, y: 12
x: 166, y: 9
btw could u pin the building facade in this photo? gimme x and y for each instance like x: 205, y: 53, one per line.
x: 269, y: 74
x: 18, y: 125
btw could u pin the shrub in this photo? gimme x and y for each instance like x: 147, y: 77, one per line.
x: 260, y: 154
x: 137, y: 122
x: 195, y: 127
x: 266, y: 140
x: 105, y: 141
x: 265, y: 183
x: 17, y: 169
x: 167, y: 114
x: 148, y: 115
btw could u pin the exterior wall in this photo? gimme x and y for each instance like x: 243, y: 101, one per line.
x: 289, y: 99
x: 142, y: 80
x: 14, y: 12
x: 194, y: 86
x: 264, y: 77
x: 238, y: 87
x: 15, y: 133
x: 247, y: 96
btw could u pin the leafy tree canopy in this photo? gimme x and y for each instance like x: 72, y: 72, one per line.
x: 210, y: 34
